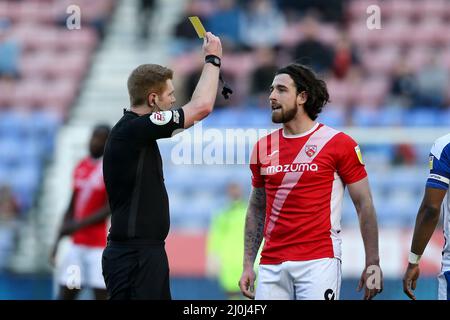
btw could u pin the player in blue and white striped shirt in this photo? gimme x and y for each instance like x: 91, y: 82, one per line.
x: 435, y: 200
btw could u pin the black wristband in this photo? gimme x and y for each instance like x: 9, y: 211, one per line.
x: 215, y: 60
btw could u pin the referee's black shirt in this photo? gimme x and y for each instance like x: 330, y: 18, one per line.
x: 132, y: 170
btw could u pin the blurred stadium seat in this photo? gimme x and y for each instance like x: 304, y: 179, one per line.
x: 51, y: 62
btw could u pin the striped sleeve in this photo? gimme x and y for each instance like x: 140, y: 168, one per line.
x: 439, y: 162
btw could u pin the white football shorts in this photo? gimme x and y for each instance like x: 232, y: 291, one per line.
x: 300, y: 280
x: 444, y: 285
x: 82, y: 267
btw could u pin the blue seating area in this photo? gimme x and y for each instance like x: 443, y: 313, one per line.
x: 26, y: 142
x: 42, y: 66
x: 420, y: 117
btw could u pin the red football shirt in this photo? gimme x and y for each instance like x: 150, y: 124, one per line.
x: 304, y: 177
x: 90, y: 196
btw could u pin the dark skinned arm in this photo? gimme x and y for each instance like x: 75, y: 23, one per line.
x: 72, y: 226
x: 426, y: 221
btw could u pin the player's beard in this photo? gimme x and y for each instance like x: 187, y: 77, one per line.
x: 283, y: 115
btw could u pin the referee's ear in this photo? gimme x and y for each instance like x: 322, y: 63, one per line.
x: 151, y: 100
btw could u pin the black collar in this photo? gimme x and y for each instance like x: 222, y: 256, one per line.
x: 125, y: 111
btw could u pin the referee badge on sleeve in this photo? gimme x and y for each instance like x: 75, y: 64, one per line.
x: 176, y: 116
x: 358, y: 153
x: 161, y: 117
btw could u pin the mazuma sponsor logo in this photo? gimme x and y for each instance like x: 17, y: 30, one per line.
x: 294, y: 167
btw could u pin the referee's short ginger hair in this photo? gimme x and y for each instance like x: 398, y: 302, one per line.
x: 145, y: 79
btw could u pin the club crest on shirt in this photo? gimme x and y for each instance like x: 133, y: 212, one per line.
x: 310, y: 150
x: 358, y: 153
x: 430, y: 163
x: 161, y: 117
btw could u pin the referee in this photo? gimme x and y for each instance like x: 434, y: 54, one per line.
x: 134, y: 262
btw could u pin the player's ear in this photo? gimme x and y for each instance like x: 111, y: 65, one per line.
x: 302, y: 97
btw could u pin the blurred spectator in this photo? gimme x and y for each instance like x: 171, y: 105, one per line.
x: 184, y: 29
x: 261, y: 24
x: 432, y: 83
x: 404, y: 154
x: 8, y: 225
x: 225, y: 246
x: 403, y: 85
x: 331, y: 10
x: 144, y: 17
x: 192, y: 80
x: 225, y: 21
x: 186, y: 37
x: 262, y: 76
x: 191, y: 83
x: 85, y: 221
x: 8, y: 204
x: 199, y: 8
x: 345, y: 57
x: 9, y: 53
x: 311, y: 51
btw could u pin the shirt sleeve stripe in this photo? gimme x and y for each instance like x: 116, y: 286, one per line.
x: 439, y: 178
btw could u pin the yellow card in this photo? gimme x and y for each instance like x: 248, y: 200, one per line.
x: 198, y: 26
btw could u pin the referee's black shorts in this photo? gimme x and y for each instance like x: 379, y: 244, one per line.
x: 136, y: 269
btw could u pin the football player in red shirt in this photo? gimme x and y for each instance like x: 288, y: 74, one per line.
x: 86, y: 222
x: 299, y: 174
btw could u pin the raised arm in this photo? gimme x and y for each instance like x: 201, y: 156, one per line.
x: 204, y: 96
x: 254, y: 231
x: 362, y: 199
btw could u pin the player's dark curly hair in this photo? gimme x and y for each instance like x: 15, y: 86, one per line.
x: 306, y: 80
